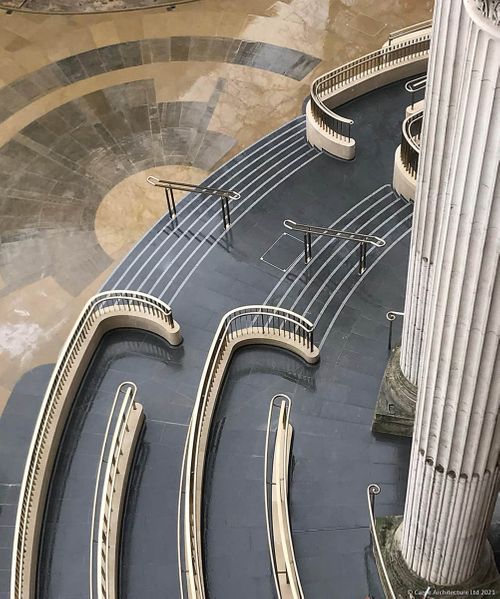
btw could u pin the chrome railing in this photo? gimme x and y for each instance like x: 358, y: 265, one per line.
x: 310, y: 230
x: 285, y: 575
x: 371, y: 491
x: 391, y: 317
x: 346, y: 75
x: 394, y: 35
x: 247, y: 322
x: 410, y: 142
x: 33, y: 489
x: 416, y: 86
x: 225, y: 195
x: 123, y: 403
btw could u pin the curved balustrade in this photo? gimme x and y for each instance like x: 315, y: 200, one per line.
x: 407, y: 157
x: 103, y: 312
x: 119, y: 461
x: 279, y: 534
x: 406, y: 31
x: 371, y: 492
x: 410, y: 142
x: 248, y: 325
x: 331, y: 132
x: 415, y: 87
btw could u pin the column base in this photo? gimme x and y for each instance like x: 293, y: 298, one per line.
x: 406, y: 585
x: 395, y: 409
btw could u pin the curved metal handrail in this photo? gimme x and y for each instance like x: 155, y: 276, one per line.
x: 127, y: 428
x: 229, y: 193
x: 324, y: 86
x: 371, y: 491
x: 310, y: 230
x: 225, y: 195
x: 408, y: 30
x: 236, y: 325
x: 391, y: 317
x: 414, y: 86
x: 417, y: 84
x: 101, y: 304
x: 292, y: 576
x: 130, y: 390
x: 410, y: 142
x: 338, y: 233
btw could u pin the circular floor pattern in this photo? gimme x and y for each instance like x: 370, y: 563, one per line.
x: 71, y: 7
x: 67, y: 161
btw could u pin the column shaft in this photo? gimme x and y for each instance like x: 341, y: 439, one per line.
x: 454, y: 472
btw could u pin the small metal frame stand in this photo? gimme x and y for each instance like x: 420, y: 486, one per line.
x: 391, y: 317
x: 225, y: 196
x: 310, y: 230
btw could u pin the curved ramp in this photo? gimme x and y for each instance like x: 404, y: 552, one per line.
x: 105, y: 311
x: 248, y: 325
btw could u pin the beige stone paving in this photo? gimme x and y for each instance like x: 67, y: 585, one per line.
x: 35, y: 319
x: 133, y: 206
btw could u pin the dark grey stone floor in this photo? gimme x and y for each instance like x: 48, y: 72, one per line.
x: 203, y: 271
x: 122, y: 356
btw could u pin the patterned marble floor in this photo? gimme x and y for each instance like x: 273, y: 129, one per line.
x: 87, y: 6
x: 92, y: 104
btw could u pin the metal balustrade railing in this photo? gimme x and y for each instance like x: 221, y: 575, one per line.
x: 410, y: 142
x: 394, y: 35
x: 240, y: 325
x: 123, y: 404
x: 225, y: 195
x: 285, y: 572
x: 416, y: 86
x: 391, y: 317
x: 371, y: 492
x: 325, y: 86
x: 33, y: 488
x: 310, y: 230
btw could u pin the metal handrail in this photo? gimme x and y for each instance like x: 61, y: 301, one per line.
x: 310, y: 230
x: 130, y: 390
x: 107, y: 507
x: 414, y: 86
x: 410, y: 142
x: 324, y: 86
x: 391, y: 317
x: 408, y: 30
x: 292, y: 577
x: 417, y: 84
x: 225, y: 195
x: 371, y: 491
x: 246, y: 321
x: 97, y: 306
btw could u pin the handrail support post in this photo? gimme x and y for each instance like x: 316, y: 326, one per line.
x: 169, y: 194
x: 307, y: 247
x: 362, y: 258
x: 226, y: 214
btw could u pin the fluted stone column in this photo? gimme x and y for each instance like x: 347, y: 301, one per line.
x: 452, y: 324
x: 441, y: 104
